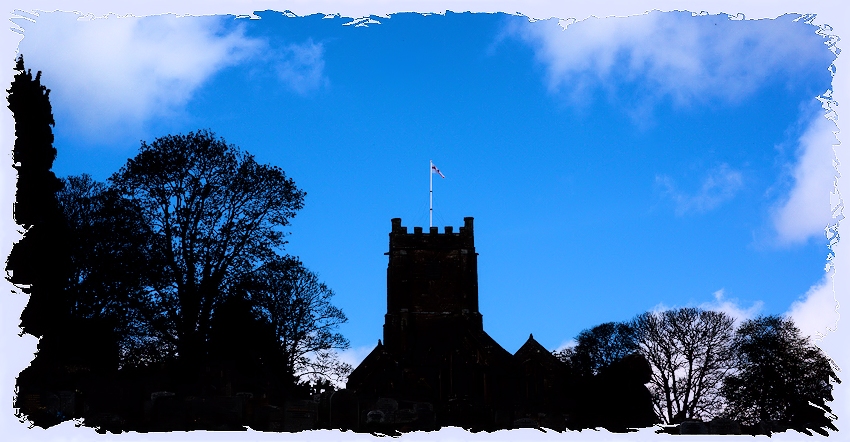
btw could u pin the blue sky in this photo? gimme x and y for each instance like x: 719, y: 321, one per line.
x: 613, y: 166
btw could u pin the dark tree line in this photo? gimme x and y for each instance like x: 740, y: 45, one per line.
x: 171, y: 268
x: 763, y: 372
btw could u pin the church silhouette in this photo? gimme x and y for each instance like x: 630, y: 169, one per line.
x: 436, y: 366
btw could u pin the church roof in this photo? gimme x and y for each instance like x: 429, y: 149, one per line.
x: 533, y: 351
x: 377, y: 357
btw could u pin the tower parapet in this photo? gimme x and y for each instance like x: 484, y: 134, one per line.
x: 400, y: 237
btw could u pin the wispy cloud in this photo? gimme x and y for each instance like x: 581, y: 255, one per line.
x: 816, y: 312
x: 806, y: 211
x: 566, y: 344
x: 689, y: 59
x: 718, y: 186
x: 355, y: 355
x: 301, y: 67
x: 732, y: 307
x: 113, y: 74
x: 720, y: 303
x: 671, y: 55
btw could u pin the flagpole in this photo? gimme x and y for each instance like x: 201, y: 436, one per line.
x: 431, y: 194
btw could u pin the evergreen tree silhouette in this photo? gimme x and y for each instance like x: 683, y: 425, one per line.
x: 243, y: 345
x: 33, y: 152
x: 39, y: 264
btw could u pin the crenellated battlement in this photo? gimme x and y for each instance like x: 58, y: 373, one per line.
x: 400, y: 237
x: 466, y: 229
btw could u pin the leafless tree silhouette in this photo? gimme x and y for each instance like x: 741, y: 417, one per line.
x: 689, y: 350
x: 298, y: 305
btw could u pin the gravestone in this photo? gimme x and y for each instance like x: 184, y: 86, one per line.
x: 388, y: 407
x: 693, y: 427
x: 268, y: 418
x: 525, y: 422
x: 300, y: 416
x: 344, y: 410
x: 66, y: 403
x: 168, y: 413
x: 721, y: 425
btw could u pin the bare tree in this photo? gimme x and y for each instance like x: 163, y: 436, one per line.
x: 214, y: 215
x: 298, y: 306
x: 689, y: 351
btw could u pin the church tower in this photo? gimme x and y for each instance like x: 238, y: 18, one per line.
x: 435, y: 351
x: 432, y: 281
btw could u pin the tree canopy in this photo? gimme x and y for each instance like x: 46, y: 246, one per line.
x: 111, y: 260
x: 780, y: 376
x: 214, y: 214
x: 598, y: 347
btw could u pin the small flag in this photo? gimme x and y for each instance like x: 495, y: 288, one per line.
x: 437, y: 171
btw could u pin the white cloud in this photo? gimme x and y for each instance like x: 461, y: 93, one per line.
x: 721, y: 303
x: 732, y: 307
x: 115, y: 74
x: 816, y: 312
x: 673, y: 54
x: 354, y: 356
x: 566, y: 344
x: 660, y: 307
x: 807, y: 210
x: 689, y: 59
x: 718, y: 186
x: 350, y: 356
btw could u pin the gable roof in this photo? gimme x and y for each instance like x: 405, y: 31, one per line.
x: 533, y: 351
